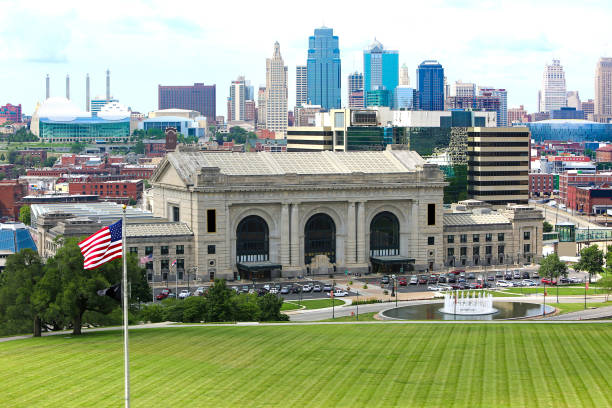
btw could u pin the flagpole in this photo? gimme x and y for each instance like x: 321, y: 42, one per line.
x: 126, y: 352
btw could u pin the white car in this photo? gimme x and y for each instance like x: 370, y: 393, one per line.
x: 273, y: 290
x: 199, y: 291
x: 528, y: 282
x: 503, y: 284
x: 444, y: 286
x: 306, y: 288
x: 414, y: 280
x: 184, y: 294
x: 266, y: 287
x: 339, y: 293
x: 434, y: 288
x: 575, y: 280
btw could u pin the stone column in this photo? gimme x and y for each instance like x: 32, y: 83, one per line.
x: 415, y: 241
x: 351, y: 244
x: 361, y: 232
x: 295, y: 236
x: 284, y: 235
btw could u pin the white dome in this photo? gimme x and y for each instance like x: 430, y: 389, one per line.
x: 114, y: 111
x: 60, y: 109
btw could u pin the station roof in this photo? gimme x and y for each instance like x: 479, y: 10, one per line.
x: 458, y: 219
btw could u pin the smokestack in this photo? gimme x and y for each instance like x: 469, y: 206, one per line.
x: 67, y: 86
x: 87, y: 100
x: 107, y: 85
x: 47, y: 82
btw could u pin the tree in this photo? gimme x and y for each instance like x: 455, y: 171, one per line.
x: 552, y: 267
x: 25, y: 214
x: 22, y: 273
x: 2, y: 157
x: 12, y: 156
x: 139, y: 147
x: 606, y: 285
x: 49, y: 162
x: 547, y: 227
x: 218, y: 302
x: 591, y: 261
x: 77, y: 147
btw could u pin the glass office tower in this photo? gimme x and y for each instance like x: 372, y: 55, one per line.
x: 323, y: 67
x: 430, y: 79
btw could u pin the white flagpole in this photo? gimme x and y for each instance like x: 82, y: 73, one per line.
x: 126, y: 352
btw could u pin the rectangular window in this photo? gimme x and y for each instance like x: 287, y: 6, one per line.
x: 488, y: 250
x: 526, y: 248
x: 180, y: 264
x: 430, y: 240
x: 463, y: 251
x: 212, y: 249
x: 149, y: 265
x: 526, y: 235
x: 134, y: 250
x: 180, y: 249
x: 489, y: 237
x: 211, y: 221
x: 476, y: 237
x: 450, y: 239
x: 451, y: 252
x: 463, y: 238
x: 165, y: 264
x: 164, y: 250
x: 476, y: 251
x: 500, y: 249
x: 500, y: 237
x: 148, y: 250
x: 175, y: 214
x: 431, y: 214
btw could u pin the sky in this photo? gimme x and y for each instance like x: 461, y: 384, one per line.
x: 503, y: 44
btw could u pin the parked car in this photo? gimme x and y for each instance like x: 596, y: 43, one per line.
x: 295, y: 289
x: 458, y: 271
x: 548, y: 281
x: 499, y: 274
x: 526, y: 275
x: 261, y: 292
x: 474, y: 285
x: 517, y: 274
x: 442, y: 278
x: 502, y: 284
x: 422, y: 279
x: 306, y: 288
x: 529, y: 282
x: 434, y: 288
x: 184, y: 294
x: 199, y: 291
x: 338, y: 293
x: 575, y: 280
x: 471, y: 275
x: 451, y: 278
x: 414, y: 280
x: 402, y: 282
x: 564, y: 279
x: 245, y: 289
x: 508, y: 276
x: 384, y: 280
x: 536, y: 274
x: 273, y: 290
x: 433, y: 279
x: 163, y: 294
x: 444, y: 286
x: 266, y: 286
x: 284, y: 290
x: 316, y: 288
x: 490, y: 278
x: 327, y: 288
x: 252, y: 291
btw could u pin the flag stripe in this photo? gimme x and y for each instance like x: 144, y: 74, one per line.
x: 103, y: 246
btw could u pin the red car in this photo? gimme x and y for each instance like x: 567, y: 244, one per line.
x: 402, y: 282
x: 548, y: 281
x: 457, y: 271
x: 163, y: 294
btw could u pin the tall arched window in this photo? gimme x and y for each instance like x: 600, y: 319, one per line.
x: 384, y: 235
x: 320, y: 238
x: 252, y: 240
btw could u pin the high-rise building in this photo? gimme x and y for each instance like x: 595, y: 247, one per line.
x: 198, y: 97
x: 323, y: 67
x: 573, y: 100
x: 250, y: 111
x: 11, y: 113
x: 603, y: 87
x: 502, y: 95
x: 404, y: 76
x: 356, y: 100
x: 588, y: 107
x: 380, y: 68
x: 301, y: 85
x: 553, y: 93
x: 498, y: 165
x: 430, y: 80
x: 261, y: 108
x: 463, y: 89
x: 276, y: 92
x: 403, y: 98
x: 355, y: 90
x: 517, y: 115
x: 236, y: 101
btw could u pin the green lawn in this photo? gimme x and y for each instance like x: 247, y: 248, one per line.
x: 290, y: 306
x: 386, y: 365
x: 363, y: 317
x: 313, y: 304
x: 552, y: 290
x: 574, y: 307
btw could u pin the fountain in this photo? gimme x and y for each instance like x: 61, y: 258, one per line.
x: 468, y: 304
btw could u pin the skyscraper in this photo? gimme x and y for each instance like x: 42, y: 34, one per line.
x: 380, y: 68
x: 276, y: 92
x: 430, y: 82
x: 502, y: 95
x: 404, y: 76
x: 323, y: 67
x: 236, y: 101
x: 573, y: 100
x: 355, y: 90
x: 463, y: 89
x: 553, y: 93
x: 197, y: 97
x: 603, y: 87
x: 301, y: 85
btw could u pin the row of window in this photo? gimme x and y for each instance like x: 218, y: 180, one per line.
x: 164, y: 265
x: 163, y: 250
x: 450, y: 252
x: 463, y: 238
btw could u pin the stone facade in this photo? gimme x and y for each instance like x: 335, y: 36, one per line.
x: 214, y: 192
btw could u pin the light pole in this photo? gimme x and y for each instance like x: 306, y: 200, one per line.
x: 357, y: 304
x: 333, y: 300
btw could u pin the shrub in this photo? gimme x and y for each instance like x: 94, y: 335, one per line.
x: 385, y: 292
x: 350, y: 282
x: 365, y: 286
x: 366, y: 301
x: 152, y: 313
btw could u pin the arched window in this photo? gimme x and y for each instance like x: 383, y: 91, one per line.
x: 252, y: 240
x: 384, y: 235
x: 320, y: 238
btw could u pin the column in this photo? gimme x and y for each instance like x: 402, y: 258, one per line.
x: 361, y: 249
x: 351, y: 247
x: 284, y: 235
x: 415, y: 249
x: 295, y: 236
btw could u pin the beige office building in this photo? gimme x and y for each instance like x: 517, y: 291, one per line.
x: 603, y: 87
x: 498, y: 165
x: 276, y: 92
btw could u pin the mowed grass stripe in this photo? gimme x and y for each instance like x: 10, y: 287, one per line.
x: 333, y: 365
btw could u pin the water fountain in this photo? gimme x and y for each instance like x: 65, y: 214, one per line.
x: 468, y: 304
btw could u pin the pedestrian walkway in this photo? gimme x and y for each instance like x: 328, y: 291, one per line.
x: 587, y: 314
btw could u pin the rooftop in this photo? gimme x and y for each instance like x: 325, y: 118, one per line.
x: 105, y: 212
x: 459, y: 219
x: 161, y: 229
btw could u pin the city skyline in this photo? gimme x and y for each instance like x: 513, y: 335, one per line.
x: 503, y: 58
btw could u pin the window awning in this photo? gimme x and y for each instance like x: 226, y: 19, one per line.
x: 258, y: 266
x: 391, y: 260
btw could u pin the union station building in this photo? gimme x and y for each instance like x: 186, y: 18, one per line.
x: 265, y: 215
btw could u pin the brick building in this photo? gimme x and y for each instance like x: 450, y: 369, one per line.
x: 119, y: 191
x: 11, y: 194
x: 11, y: 113
x: 573, y: 178
x: 591, y: 199
x: 540, y: 183
x: 41, y: 154
x: 138, y: 171
x: 604, y: 154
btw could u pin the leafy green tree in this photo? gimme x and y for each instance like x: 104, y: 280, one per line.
x: 49, y: 162
x: 552, y: 267
x: 12, y: 156
x: 18, y: 281
x: 606, y: 285
x: 591, y: 261
x: 218, y: 302
x: 2, y: 157
x: 77, y: 147
x: 547, y: 227
x: 270, y: 306
x: 25, y: 214
x: 139, y: 147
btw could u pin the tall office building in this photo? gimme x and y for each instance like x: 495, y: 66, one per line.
x: 198, y: 97
x: 323, y: 66
x: 430, y: 81
x: 553, y: 93
x: 603, y: 87
x: 355, y: 90
x: 498, y: 165
x: 588, y: 107
x: 573, y: 100
x: 502, y: 95
x: 276, y: 92
x: 301, y: 85
x: 463, y: 89
x: 261, y: 108
x: 380, y: 68
x: 236, y: 101
x: 403, y: 98
x: 404, y: 76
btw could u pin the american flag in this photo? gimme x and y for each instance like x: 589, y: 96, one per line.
x: 103, y: 246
